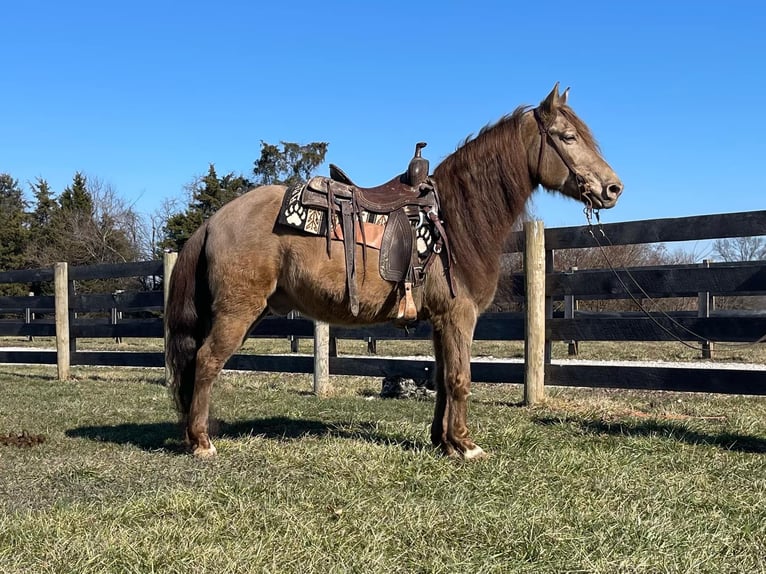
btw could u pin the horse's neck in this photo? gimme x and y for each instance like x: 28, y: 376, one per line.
x: 483, y: 194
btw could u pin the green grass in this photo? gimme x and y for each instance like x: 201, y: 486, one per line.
x: 592, y: 481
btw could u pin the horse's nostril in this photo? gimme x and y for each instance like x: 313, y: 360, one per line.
x: 614, y: 189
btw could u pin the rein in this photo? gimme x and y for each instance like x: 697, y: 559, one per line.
x: 546, y: 137
x: 731, y: 346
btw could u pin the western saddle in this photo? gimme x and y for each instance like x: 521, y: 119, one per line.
x: 385, y: 217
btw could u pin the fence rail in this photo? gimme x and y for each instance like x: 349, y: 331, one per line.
x: 747, y: 278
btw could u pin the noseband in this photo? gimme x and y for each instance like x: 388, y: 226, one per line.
x: 545, y: 136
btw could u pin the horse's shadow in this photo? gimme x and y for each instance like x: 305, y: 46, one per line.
x: 665, y: 429
x: 165, y: 436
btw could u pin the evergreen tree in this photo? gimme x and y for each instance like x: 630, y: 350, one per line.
x: 70, y: 222
x: 14, y: 231
x: 209, y: 193
x: 212, y: 192
x: 45, y: 204
x: 41, y: 218
x: 76, y: 197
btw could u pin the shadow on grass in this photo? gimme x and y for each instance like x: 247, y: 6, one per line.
x: 147, y: 436
x: 664, y: 429
x: 17, y: 374
x: 165, y: 436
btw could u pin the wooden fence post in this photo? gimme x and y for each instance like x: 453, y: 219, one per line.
x: 29, y: 316
x: 61, y: 292
x: 705, y: 304
x: 168, y: 262
x: 549, y: 261
x: 534, y: 330
x: 321, y: 358
x: 570, y: 306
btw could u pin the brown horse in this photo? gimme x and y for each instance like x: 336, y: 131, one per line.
x: 239, y: 265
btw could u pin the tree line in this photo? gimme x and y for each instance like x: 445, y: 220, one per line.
x: 88, y: 222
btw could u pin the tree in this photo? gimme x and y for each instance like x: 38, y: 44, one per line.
x: 290, y: 164
x: 88, y: 224
x: 41, y: 243
x: 76, y: 197
x: 740, y: 248
x: 14, y: 231
x: 282, y: 164
x: 208, y: 194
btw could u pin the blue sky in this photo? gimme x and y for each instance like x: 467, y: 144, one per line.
x: 144, y: 95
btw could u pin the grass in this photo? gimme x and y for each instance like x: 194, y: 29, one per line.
x: 589, y: 350
x: 592, y: 481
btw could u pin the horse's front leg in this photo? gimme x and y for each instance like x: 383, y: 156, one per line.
x: 452, y: 337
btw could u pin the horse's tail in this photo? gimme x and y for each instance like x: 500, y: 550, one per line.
x: 187, y: 317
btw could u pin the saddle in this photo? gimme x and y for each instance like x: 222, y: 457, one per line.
x: 390, y: 217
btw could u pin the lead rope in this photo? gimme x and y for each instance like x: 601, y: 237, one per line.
x: 730, y: 346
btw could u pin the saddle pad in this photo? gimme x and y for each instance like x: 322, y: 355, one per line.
x: 313, y: 220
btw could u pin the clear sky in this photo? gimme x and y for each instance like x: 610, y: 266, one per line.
x: 144, y: 95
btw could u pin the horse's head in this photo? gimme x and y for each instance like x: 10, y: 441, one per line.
x: 563, y: 155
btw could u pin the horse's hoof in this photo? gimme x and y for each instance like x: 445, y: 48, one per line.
x: 204, y: 453
x: 475, y: 453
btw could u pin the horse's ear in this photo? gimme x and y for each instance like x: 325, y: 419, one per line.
x: 564, y: 97
x: 550, y: 103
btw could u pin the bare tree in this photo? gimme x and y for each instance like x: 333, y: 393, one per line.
x: 740, y: 248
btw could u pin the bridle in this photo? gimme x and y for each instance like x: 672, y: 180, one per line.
x: 546, y: 137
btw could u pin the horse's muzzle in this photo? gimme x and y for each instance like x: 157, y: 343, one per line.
x: 610, y: 192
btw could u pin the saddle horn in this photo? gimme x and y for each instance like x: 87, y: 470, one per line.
x: 417, y: 171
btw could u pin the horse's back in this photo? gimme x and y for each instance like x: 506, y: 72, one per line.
x: 248, y: 218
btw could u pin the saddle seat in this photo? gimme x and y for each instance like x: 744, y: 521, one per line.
x: 383, y: 198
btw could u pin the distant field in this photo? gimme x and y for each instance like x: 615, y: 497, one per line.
x: 592, y: 481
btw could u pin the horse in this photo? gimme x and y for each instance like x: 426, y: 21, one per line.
x: 239, y: 265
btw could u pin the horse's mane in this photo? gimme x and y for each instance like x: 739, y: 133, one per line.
x: 483, y: 187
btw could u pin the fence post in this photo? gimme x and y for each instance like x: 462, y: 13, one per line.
x: 705, y: 304
x: 168, y: 262
x: 29, y: 316
x: 570, y: 306
x: 321, y: 358
x: 333, y: 346
x: 549, y: 260
x: 294, y: 341
x: 61, y: 293
x: 534, y: 331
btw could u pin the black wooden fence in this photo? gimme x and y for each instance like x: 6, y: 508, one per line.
x: 718, y: 279
x: 728, y: 279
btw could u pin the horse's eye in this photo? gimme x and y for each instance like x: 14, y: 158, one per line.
x: 569, y: 138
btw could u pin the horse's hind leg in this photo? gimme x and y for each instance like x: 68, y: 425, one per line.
x: 452, y: 336
x: 225, y: 337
